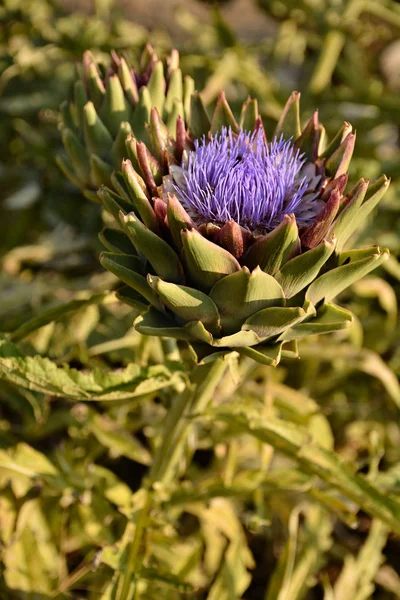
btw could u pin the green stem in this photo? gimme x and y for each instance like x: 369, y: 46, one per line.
x: 200, y: 399
x: 193, y: 399
x: 175, y: 414
x: 170, y: 349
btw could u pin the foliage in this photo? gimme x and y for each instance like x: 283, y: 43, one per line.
x: 118, y: 455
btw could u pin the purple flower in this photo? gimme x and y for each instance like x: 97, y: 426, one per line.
x: 245, y: 179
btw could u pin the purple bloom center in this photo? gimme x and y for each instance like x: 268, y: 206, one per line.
x: 244, y: 179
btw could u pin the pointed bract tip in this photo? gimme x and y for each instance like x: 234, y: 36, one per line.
x: 221, y: 97
x: 128, y: 218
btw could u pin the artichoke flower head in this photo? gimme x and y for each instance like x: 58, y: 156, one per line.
x: 225, y: 239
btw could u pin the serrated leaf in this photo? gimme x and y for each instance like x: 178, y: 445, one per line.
x: 117, y: 439
x: 293, y: 441
x: 42, y: 375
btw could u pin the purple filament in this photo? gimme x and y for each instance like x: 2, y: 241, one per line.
x: 244, y: 179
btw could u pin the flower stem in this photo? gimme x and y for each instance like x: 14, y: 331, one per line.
x: 200, y: 398
x: 170, y: 349
x: 193, y: 399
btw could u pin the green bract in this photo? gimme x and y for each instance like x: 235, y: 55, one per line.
x: 215, y: 286
x: 112, y: 104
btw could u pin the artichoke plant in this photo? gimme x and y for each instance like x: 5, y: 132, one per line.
x: 226, y: 240
x: 109, y: 103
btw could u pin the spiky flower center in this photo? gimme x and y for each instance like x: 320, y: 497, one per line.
x: 244, y: 179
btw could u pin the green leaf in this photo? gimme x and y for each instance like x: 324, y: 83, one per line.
x: 132, y: 298
x: 242, y: 294
x: 333, y: 282
x: 100, y: 170
x: 266, y: 354
x: 329, y: 318
x: 289, y: 122
x: 374, y: 194
x: 356, y: 580
x: 198, y: 332
x: 136, y: 186
x: 238, y: 340
x: 199, y: 123
x: 178, y: 219
x: 303, y: 554
x: 113, y: 203
x: 339, y: 161
x: 269, y: 322
x: 115, y: 108
x: 351, y: 256
x: 158, y: 324
x: 66, y: 116
x: 31, y: 562
x: 176, y: 111
x: 359, y: 207
x: 206, y: 262
x: 188, y: 92
x: 293, y: 441
x: 42, y: 375
x: 119, y: 150
x: 299, y: 272
x: 156, y: 87
x: 80, y: 100
x: 116, y: 556
x: 249, y: 114
x: 65, y: 165
x: 308, y: 141
x: 334, y: 144
x: 119, y: 185
x: 53, y: 314
x: 115, y: 240
x: 273, y: 249
x: 160, y: 137
x: 117, y: 439
x: 141, y: 116
x: 296, y: 405
x: 77, y: 154
x: 97, y: 137
x: 347, y: 220
x: 25, y: 460
x: 223, y: 116
x: 160, y: 255
x: 128, y: 82
x: 187, y: 303
x: 128, y: 269
x: 94, y: 81
x: 362, y: 359
x: 175, y: 91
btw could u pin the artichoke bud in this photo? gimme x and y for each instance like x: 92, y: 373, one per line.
x: 224, y: 239
x: 110, y: 102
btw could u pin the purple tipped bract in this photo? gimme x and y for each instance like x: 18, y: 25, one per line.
x: 244, y: 179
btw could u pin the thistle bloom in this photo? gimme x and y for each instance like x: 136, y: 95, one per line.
x: 223, y: 239
x: 244, y: 179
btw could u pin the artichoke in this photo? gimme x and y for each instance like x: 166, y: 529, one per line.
x: 108, y: 104
x: 225, y: 240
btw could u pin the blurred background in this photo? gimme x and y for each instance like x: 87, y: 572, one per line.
x: 344, y: 58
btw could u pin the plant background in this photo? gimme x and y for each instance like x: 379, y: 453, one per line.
x: 289, y: 486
